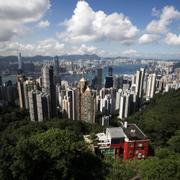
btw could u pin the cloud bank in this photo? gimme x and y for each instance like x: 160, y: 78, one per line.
x: 89, y: 25
x: 14, y: 14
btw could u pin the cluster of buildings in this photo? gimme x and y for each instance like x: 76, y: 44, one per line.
x: 170, y: 81
x: 38, y: 95
x: 167, y: 77
x: 47, y: 96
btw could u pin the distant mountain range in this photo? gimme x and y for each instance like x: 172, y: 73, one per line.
x: 41, y: 58
x: 73, y: 58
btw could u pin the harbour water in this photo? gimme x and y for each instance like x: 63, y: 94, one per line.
x: 128, y: 69
x: 117, y: 70
x: 6, y: 78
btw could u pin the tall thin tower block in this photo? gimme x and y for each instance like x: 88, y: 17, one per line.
x: 19, y: 63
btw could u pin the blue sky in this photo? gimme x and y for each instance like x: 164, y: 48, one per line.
x: 107, y: 28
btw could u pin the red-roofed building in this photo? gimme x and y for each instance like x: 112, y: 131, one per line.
x: 127, y: 142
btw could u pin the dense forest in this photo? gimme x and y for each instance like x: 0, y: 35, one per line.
x: 55, y: 149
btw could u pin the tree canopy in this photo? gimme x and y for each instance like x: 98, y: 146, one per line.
x: 161, y: 118
x: 55, y: 149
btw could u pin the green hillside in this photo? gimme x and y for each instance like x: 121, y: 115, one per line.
x: 161, y: 118
x: 55, y: 149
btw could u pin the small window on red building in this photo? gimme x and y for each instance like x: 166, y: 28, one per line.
x: 140, y: 145
x: 131, y: 145
x: 139, y: 155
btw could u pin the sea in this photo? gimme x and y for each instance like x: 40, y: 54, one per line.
x: 122, y: 69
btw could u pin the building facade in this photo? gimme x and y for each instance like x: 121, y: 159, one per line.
x: 126, y: 142
x: 88, y: 106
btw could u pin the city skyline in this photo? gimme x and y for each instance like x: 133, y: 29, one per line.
x: 44, y: 27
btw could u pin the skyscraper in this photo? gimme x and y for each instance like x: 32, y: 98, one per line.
x: 99, y: 77
x: 29, y: 85
x: 56, y: 66
x: 110, y: 71
x: 43, y: 106
x: 109, y: 78
x: 33, y: 105
x: 20, y: 85
x: 8, y: 94
x: 118, y: 96
x: 49, y: 88
x: 20, y: 70
x: 77, y: 102
x: 56, y: 70
x: 109, y: 82
x: 66, y: 107
x: 11, y: 91
x: 39, y: 105
x: 88, y: 106
x: 177, y: 70
x: 82, y: 85
x: 151, y: 86
x: 106, y: 105
x: 84, y: 102
x: 118, y: 82
x: 139, y: 85
x: 126, y: 105
x: 139, y: 80
x: 68, y: 104
x: 122, y: 107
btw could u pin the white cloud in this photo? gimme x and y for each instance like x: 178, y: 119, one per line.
x: 172, y: 39
x: 88, y: 25
x: 44, y: 47
x: 43, y: 24
x: 47, y: 47
x: 14, y: 14
x: 148, y: 38
x: 168, y: 14
x: 130, y: 52
x: 84, y: 49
